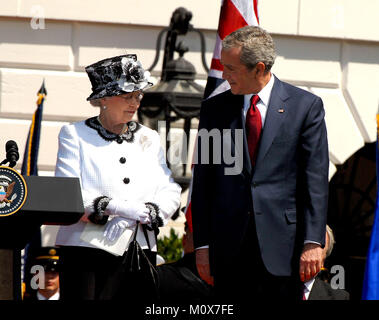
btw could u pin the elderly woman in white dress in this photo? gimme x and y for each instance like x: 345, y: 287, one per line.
x: 123, y: 176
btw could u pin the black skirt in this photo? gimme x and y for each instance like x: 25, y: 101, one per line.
x: 94, y: 274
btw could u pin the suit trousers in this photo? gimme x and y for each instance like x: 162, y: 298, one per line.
x: 246, y: 278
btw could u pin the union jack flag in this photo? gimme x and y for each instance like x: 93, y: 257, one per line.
x: 234, y: 15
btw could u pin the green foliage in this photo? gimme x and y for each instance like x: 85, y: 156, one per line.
x: 170, y: 248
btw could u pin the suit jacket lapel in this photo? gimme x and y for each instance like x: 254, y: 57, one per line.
x: 276, y: 113
x: 238, y: 123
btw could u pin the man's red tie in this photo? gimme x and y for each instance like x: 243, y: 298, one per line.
x: 253, y: 128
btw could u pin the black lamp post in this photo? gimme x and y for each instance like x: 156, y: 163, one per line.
x: 176, y: 96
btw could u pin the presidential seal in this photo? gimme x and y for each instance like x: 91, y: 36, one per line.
x: 13, y: 191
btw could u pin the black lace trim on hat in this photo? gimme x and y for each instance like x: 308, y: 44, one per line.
x: 127, y: 136
x: 156, y: 219
x: 99, y: 206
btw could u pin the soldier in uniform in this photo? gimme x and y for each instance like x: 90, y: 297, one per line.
x: 47, y: 259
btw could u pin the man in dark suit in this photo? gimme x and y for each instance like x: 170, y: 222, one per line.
x: 265, y: 212
x: 322, y: 290
x: 319, y: 287
x: 179, y: 281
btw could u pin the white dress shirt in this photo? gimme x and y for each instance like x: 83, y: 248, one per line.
x: 264, y: 100
x: 55, y: 296
x: 127, y: 171
x: 308, y: 287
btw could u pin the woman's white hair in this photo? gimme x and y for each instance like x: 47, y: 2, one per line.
x: 331, y: 242
x: 96, y: 103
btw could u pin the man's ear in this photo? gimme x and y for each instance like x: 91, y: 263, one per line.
x: 260, y: 69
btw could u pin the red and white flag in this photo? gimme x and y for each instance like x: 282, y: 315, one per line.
x: 234, y: 15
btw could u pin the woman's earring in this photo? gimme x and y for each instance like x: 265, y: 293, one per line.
x: 104, y: 107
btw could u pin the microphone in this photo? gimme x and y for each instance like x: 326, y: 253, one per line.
x: 12, y: 152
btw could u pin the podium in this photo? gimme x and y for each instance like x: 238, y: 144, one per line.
x: 51, y: 201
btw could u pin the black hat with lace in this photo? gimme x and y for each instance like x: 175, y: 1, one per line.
x: 117, y: 75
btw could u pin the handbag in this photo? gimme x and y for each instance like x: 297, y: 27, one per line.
x: 135, y: 274
x: 137, y: 263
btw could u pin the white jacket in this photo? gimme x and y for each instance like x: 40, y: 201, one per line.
x: 132, y: 170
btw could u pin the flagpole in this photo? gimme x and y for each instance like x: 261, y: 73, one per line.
x: 29, y: 165
x: 30, y: 168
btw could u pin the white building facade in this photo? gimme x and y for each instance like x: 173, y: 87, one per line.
x: 329, y: 47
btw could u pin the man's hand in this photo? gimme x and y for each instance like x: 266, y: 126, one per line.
x: 202, y: 265
x: 311, y: 261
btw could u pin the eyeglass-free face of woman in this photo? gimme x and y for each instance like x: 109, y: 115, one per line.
x: 118, y: 110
